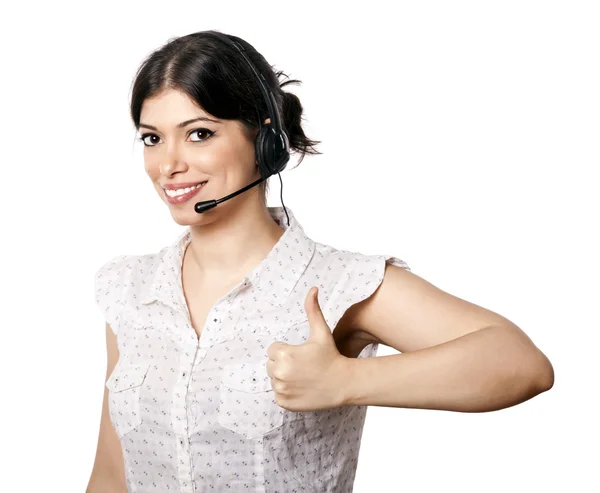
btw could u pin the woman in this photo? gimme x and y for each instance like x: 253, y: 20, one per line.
x: 225, y: 371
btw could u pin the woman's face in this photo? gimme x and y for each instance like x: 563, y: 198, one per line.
x: 209, y: 150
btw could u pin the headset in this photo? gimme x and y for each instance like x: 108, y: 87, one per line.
x: 271, y: 143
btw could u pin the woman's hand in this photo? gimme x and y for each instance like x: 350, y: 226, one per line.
x: 313, y: 375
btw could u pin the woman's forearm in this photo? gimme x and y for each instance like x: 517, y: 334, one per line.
x: 492, y: 368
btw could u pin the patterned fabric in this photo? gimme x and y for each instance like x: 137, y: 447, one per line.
x: 200, y: 415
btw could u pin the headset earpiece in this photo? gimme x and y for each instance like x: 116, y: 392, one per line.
x: 271, y: 151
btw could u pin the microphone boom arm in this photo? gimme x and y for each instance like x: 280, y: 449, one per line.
x: 200, y: 207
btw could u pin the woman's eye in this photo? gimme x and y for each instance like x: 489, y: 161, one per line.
x: 150, y: 140
x: 145, y: 136
x: 205, y: 131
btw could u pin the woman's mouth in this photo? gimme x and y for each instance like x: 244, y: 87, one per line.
x: 182, y: 194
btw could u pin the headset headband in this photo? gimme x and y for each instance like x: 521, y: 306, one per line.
x: 262, y: 84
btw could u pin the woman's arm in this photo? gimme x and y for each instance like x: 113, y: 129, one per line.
x: 456, y: 355
x: 108, y: 473
x: 486, y: 370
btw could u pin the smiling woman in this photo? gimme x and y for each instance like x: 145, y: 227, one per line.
x: 221, y: 107
x: 241, y: 355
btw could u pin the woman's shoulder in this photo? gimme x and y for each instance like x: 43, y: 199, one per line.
x: 121, y: 266
x: 116, y: 282
x: 331, y: 258
x: 347, y: 277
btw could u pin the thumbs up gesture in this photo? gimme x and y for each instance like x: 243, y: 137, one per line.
x: 309, y: 376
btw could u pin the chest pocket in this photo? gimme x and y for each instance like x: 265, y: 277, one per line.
x: 246, y: 402
x: 124, y: 385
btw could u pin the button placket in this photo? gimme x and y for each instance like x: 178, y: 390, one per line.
x: 181, y: 421
x: 219, y: 326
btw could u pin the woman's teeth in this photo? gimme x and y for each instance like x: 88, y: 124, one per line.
x: 181, y: 191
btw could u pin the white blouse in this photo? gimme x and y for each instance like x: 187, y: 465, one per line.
x: 200, y: 415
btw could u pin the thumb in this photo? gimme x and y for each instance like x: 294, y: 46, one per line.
x: 319, y: 330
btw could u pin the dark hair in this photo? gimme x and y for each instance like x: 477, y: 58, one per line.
x: 217, y: 78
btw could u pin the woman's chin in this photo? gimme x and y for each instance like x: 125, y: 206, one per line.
x: 183, y: 221
x: 187, y: 217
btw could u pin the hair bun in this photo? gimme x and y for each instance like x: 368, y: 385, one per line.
x: 292, y: 120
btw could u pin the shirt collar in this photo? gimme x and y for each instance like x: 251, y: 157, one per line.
x: 275, y: 277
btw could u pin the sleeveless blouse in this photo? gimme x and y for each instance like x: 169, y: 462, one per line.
x: 199, y: 415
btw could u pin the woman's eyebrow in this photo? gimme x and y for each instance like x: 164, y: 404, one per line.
x: 183, y: 124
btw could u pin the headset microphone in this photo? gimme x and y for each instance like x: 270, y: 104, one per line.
x: 271, y: 144
x: 200, y: 207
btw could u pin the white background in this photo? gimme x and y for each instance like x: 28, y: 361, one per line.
x: 460, y: 136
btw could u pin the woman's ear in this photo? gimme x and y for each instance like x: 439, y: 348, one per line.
x: 268, y: 120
